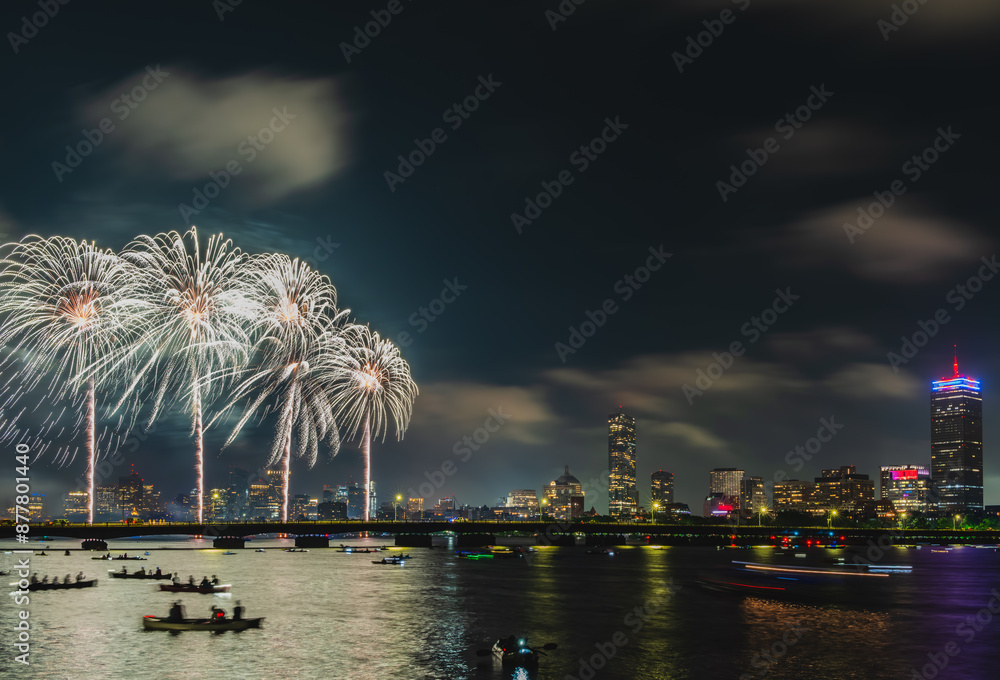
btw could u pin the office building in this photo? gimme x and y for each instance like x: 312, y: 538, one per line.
x: 623, y: 494
x: 753, y: 496
x: 907, y: 487
x: 415, y: 508
x: 661, y: 489
x: 726, y: 481
x: 957, y: 444
x: 75, y: 506
x: 793, y: 495
x: 843, y: 489
x: 564, y: 496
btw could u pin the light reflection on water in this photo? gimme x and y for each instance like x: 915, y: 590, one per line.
x: 333, y: 615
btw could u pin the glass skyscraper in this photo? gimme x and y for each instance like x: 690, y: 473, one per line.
x: 957, y: 443
x: 623, y: 495
x: 661, y: 488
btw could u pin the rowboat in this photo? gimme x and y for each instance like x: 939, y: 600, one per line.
x: 150, y: 622
x: 63, y: 586
x: 118, y: 559
x: 188, y: 588
x: 140, y: 575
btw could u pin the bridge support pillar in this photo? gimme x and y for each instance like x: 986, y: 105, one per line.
x: 95, y: 544
x: 229, y: 542
x: 413, y: 540
x: 312, y: 541
x: 474, y: 540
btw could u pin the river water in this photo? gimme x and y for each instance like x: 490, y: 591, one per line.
x: 637, y: 615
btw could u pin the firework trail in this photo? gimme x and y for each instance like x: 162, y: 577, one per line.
x: 376, y: 390
x: 196, y: 316
x: 66, y: 310
x: 299, y: 357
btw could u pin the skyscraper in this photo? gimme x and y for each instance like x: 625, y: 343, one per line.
x: 726, y: 481
x: 957, y: 443
x: 661, y: 488
x: 623, y: 496
x: 753, y: 496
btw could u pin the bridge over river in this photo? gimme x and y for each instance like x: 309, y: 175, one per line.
x: 470, y: 534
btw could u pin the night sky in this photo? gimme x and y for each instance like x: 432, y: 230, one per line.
x: 835, y: 104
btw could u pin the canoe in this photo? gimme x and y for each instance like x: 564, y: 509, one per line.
x: 63, y: 586
x: 150, y: 622
x: 515, y: 656
x: 118, y: 559
x: 186, y: 588
x: 137, y: 575
x: 392, y: 561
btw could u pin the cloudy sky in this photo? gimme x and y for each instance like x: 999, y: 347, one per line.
x: 744, y: 142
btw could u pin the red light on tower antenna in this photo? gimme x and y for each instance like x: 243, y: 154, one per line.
x: 955, y: 365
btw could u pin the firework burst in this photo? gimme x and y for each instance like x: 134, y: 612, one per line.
x: 198, y: 308
x: 374, y: 392
x: 66, y: 310
x: 298, y: 350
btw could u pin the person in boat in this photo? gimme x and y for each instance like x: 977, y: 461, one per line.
x: 68, y: 579
x: 215, y: 580
x: 176, y: 580
x: 67, y: 552
x: 44, y: 553
x: 45, y: 579
x: 158, y: 572
x: 190, y: 579
x: 205, y: 583
x: 79, y: 577
x: 124, y: 570
x: 34, y: 578
x: 142, y: 571
x: 218, y: 614
x: 238, y: 611
x: 176, y: 611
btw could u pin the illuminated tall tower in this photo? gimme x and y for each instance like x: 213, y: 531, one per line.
x: 957, y: 443
x: 623, y: 495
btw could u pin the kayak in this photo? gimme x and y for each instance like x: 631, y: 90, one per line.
x: 519, y: 655
x: 150, y: 622
x: 187, y: 588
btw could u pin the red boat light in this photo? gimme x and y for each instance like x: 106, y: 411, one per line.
x: 149, y: 616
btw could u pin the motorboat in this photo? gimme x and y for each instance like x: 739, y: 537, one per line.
x: 150, y: 622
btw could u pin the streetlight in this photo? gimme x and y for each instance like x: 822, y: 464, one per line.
x: 829, y: 521
x: 954, y: 522
x: 395, y: 508
x: 760, y: 515
x: 656, y: 506
x: 902, y: 521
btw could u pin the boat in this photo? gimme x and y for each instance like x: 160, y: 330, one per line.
x: 63, y: 586
x: 513, y: 651
x: 150, y: 622
x: 229, y: 552
x: 140, y: 575
x: 390, y: 560
x: 259, y: 550
x: 296, y: 550
x: 119, y: 559
x: 188, y: 588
